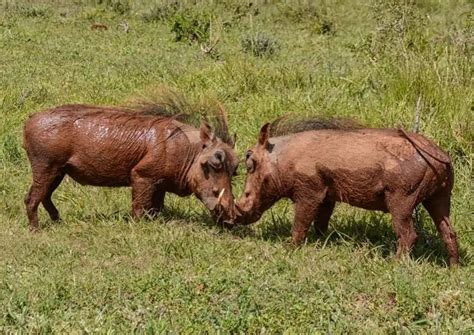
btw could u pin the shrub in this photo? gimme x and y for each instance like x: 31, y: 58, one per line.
x: 120, y: 7
x: 33, y: 11
x: 312, y: 15
x: 400, y: 26
x: 191, y: 27
x: 161, y: 12
x: 259, y: 45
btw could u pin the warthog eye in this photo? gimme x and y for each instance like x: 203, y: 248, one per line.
x: 248, y: 154
x: 217, y: 160
x: 249, y: 162
x: 250, y: 165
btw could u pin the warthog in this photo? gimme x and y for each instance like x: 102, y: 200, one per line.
x: 108, y: 146
x: 318, y: 163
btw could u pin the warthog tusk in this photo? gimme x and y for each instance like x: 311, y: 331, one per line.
x: 219, y: 198
x: 237, y: 209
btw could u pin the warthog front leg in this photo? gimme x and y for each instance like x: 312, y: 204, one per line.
x: 142, y: 195
x: 158, y: 201
x: 401, y: 208
x: 305, y: 213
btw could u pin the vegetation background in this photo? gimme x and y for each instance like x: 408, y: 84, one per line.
x: 100, y: 271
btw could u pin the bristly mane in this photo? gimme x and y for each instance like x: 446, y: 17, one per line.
x: 285, y: 126
x: 167, y: 103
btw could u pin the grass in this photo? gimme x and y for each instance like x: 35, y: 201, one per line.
x: 100, y: 271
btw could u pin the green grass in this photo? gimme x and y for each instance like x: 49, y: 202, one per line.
x: 100, y: 271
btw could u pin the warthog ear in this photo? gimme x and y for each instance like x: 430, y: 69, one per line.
x: 264, y: 135
x: 206, y: 134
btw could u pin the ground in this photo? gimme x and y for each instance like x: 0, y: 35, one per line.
x: 380, y: 62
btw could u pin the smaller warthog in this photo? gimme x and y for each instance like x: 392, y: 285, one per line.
x: 146, y: 149
x: 318, y: 163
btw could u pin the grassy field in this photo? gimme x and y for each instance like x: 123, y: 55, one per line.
x: 100, y: 271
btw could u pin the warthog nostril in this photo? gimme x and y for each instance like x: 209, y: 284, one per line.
x: 247, y: 194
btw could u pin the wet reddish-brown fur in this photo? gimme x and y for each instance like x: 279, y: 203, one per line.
x: 376, y: 169
x: 108, y: 146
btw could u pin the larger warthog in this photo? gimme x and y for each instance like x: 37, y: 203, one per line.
x: 318, y: 163
x: 146, y: 149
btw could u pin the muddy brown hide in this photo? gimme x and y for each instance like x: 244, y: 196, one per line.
x: 376, y: 169
x: 105, y: 146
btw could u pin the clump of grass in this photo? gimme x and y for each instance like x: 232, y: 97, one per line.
x: 242, y: 10
x: 260, y: 45
x: 399, y: 27
x: 180, y: 273
x: 324, y: 27
x: 11, y: 149
x: 120, y: 7
x: 312, y: 15
x: 32, y: 11
x: 161, y: 11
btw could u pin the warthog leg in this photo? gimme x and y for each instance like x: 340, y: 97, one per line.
x: 321, y: 222
x: 142, y: 194
x: 306, y: 210
x: 158, y: 200
x: 401, y: 208
x: 44, y: 183
x: 48, y: 203
x: 438, y: 207
x: 406, y: 233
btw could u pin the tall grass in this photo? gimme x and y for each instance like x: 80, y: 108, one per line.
x: 98, y: 270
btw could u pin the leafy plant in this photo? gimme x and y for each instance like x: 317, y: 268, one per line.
x: 191, y: 27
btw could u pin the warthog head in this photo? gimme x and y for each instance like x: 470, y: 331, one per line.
x: 261, y: 190
x: 211, y: 174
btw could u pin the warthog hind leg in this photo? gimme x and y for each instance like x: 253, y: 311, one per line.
x: 438, y: 208
x: 48, y: 203
x: 45, y: 178
x: 321, y: 222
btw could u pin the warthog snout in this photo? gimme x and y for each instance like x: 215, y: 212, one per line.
x: 222, y: 208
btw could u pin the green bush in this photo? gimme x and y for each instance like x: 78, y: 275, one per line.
x: 191, y: 27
